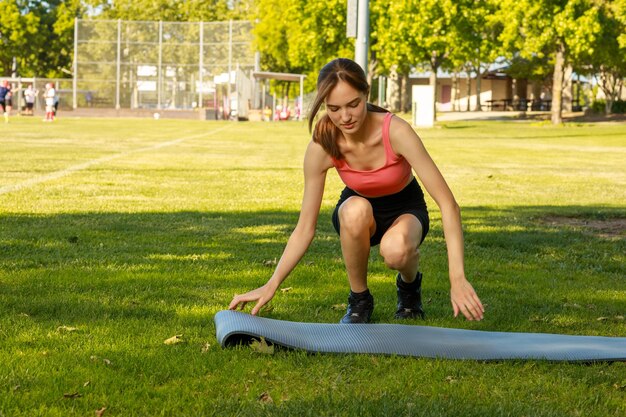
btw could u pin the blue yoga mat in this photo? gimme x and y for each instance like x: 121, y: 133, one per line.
x: 234, y: 327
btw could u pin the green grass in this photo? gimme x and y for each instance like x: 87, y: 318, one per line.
x: 148, y: 228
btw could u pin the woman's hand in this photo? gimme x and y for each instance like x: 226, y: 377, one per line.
x: 261, y: 295
x: 465, y: 300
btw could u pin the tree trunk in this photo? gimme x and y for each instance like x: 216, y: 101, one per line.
x: 557, y: 85
x: 479, y: 106
x: 405, y: 96
x: 393, y: 90
x: 608, y: 85
x: 433, y: 82
x: 454, y: 92
x: 371, y: 70
x: 469, y: 88
x: 434, y: 66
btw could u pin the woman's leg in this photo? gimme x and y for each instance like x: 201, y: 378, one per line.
x: 357, y: 225
x: 399, y: 246
x: 400, y: 250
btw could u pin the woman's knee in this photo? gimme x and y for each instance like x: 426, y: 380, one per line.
x: 355, y: 214
x: 398, y: 251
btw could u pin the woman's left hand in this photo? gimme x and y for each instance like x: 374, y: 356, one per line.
x: 465, y: 300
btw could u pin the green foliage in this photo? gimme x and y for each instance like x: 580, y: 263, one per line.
x: 606, y: 56
x: 168, y: 10
x: 537, y: 28
x: 298, y: 36
x: 414, y: 33
x: 475, y: 35
x: 18, y: 37
x: 617, y: 106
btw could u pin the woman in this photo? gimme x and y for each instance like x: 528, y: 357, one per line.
x: 375, y: 154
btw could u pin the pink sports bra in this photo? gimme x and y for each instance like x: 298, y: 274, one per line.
x: 388, y: 179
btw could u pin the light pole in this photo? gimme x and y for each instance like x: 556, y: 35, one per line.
x: 358, y: 26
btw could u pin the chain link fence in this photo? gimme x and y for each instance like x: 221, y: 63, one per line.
x: 161, y: 65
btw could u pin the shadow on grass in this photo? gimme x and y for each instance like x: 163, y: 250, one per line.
x: 149, y: 266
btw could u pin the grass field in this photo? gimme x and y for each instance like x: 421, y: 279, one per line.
x: 117, y: 234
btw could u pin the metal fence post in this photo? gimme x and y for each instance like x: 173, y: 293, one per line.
x: 230, y: 63
x: 75, y: 69
x: 200, y: 67
x: 159, y: 76
x: 117, y: 69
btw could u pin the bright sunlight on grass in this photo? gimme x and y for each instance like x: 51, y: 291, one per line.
x: 118, y: 234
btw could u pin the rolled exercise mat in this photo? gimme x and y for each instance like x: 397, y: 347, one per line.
x: 234, y: 327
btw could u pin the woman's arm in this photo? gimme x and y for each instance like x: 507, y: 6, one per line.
x: 316, y: 164
x: 405, y: 142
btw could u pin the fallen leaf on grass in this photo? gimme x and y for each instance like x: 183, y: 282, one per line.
x: 270, y: 262
x: 67, y: 329
x: 265, y: 398
x: 286, y: 289
x: 86, y: 383
x: 339, y: 306
x: 261, y: 346
x: 95, y: 358
x: 609, y: 318
x: 619, y: 387
x: 100, y: 412
x: 71, y: 395
x: 206, y: 348
x: 174, y: 340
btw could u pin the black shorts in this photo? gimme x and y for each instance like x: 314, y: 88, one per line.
x: 388, y: 208
x: 3, y: 105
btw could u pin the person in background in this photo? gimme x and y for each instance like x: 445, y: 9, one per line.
x: 376, y: 155
x: 30, y: 95
x: 49, y: 96
x: 6, y: 102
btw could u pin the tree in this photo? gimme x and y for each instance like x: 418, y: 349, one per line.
x: 416, y: 33
x: 475, y: 40
x: 18, y: 37
x: 168, y: 10
x: 39, y: 34
x: 299, y: 36
x: 560, y: 29
x: 606, y: 58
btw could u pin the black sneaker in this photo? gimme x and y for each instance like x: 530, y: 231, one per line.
x: 409, y: 298
x: 360, y: 308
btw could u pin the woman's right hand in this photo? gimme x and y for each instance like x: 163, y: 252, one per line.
x: 261, y: 295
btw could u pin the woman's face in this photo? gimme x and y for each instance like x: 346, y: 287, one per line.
x: 346, y: 107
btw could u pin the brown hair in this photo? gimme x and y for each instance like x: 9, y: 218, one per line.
x: 340, y: 69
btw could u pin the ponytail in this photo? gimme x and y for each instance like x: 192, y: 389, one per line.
x: 325, y: 134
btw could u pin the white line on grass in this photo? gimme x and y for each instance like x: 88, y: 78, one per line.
x: 70, y: 170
